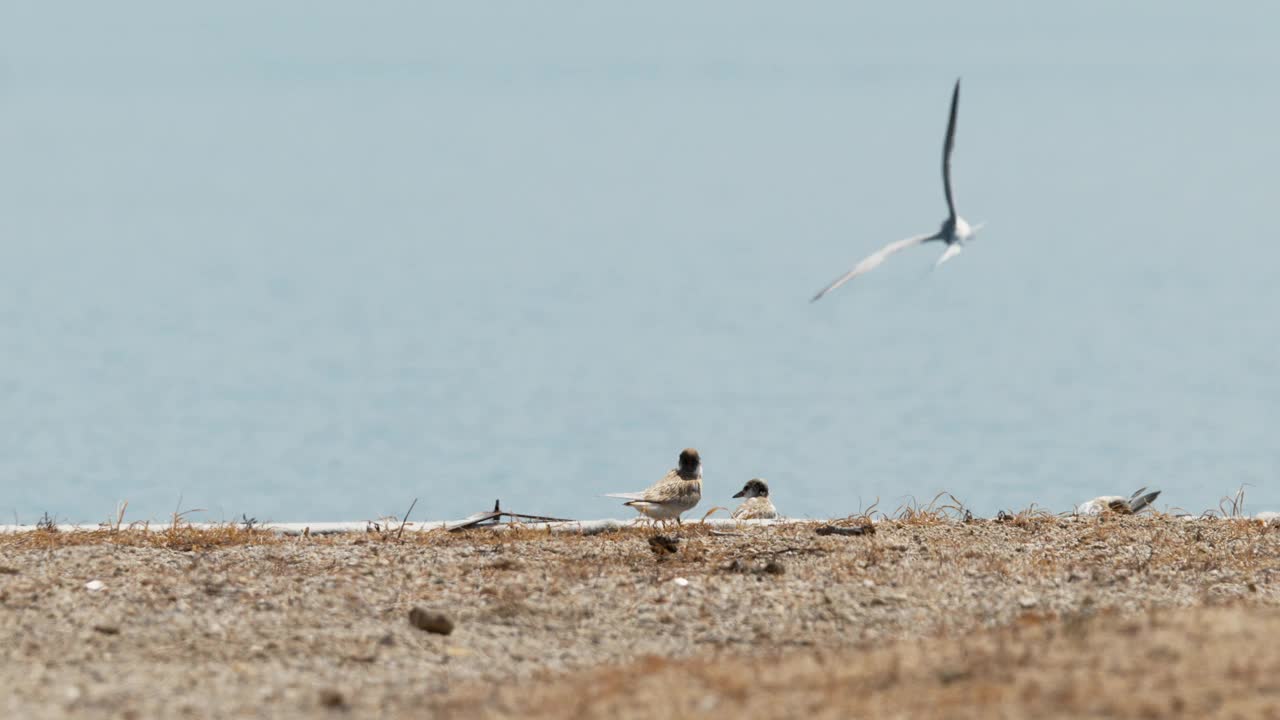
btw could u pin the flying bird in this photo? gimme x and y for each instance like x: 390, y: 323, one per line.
x: 954, y: 231
x: 679, y: 491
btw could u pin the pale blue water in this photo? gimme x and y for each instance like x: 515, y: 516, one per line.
x: 312, y: 261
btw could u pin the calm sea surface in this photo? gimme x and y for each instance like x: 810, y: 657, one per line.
x: 315, y: 261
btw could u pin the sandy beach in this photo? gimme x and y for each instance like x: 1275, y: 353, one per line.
x: 924, y: 617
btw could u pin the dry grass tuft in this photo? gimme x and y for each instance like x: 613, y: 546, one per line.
x: 864, y: 516
x: 1232, y: 506
x: 181, y: 536
x: 943, y: 508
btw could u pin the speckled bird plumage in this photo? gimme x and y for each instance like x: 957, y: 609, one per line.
x: 680, y: 490
x: 1135, y: 503
x: 757, y: 505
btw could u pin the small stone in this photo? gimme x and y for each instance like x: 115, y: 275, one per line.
x: 94, y: 585
x: 431, y: 621
x: 682, y: 582
x: 1028, y: 602
x: 332, y: 699
x: 773, y: 567
x: 664, y: 545
x: 107, y: 629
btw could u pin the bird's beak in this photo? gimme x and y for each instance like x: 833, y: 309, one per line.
x: 740, y: 493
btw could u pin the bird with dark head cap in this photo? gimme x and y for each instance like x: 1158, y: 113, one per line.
x: 757, y: 505
x: 680, y: 490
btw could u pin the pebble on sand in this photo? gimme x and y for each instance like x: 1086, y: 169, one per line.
x: 431, y: 621
x: 331, y: 698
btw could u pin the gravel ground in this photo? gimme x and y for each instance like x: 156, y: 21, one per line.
x: 232, y: 623
x: 1205, y: 662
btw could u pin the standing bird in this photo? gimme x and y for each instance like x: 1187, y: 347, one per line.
x: 954, y: 231
x: 757, y: 504
x: 679, y: 491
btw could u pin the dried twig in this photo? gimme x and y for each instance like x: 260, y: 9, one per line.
x: 179, y: 514
x: 855, y: 530
x: 792, y: 549
x: 120, y: 508
x: 406, y: 518
x: 712, y: 510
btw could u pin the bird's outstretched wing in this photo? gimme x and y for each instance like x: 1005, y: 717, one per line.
x: 947, y: 147
x: 1138, y: 501
x: 873, y: 261
x: 952, y: 250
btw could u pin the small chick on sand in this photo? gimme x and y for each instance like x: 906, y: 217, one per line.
x: 757, y: 504
x: 1135, y: 503
x: 679, y: 491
